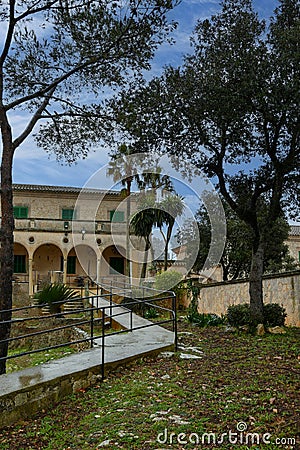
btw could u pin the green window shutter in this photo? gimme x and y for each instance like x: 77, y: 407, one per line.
x: 68, y: 214
x: 20, y: 212
x: 71, y: 264
x: 117, y: 216
x: 19, y: 264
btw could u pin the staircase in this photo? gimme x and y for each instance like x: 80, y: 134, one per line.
x: 73, y: 306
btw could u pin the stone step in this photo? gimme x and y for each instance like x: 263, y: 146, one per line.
x: 73, y: 305
x: 68, y: 306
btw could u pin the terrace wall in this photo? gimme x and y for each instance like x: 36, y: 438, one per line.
x: 280, y: 288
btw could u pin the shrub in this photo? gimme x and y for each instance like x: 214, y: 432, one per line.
x: 205, y: 320
x: 140, y: 307
x: 167, y: 281
x: 53, y: 295
x: 151, y: 313
x: 239, y: 315
x: 274, y: 315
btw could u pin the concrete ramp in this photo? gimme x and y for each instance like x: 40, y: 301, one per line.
x: 26, y: 392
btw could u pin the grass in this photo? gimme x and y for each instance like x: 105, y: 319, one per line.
x: 29, y: 343
x: 240, y: 380
x: 35, y: 359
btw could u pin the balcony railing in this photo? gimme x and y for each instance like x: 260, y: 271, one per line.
x: 60, y: 225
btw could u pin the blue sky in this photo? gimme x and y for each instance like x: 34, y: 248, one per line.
x: 33, y: 166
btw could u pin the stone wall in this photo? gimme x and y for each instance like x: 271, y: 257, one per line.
x: 280, y: 288
x: 47, y: 339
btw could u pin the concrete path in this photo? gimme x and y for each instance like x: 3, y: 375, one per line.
x: 24, y: 392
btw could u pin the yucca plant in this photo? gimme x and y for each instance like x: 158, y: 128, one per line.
x: 54, y: 295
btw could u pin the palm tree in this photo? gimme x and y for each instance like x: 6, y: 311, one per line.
x: 126, y: 167
x: 120, y: 168
x: 142, y: 223
x: 155, y: 180
x: 54, y: 295
x: 168, y: 209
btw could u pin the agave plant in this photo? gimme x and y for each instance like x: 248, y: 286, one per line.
x: 54, y: 295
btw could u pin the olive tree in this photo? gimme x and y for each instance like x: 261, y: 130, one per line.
x: 57, y: 58
x: 236, y: 258
x: 232, y: 110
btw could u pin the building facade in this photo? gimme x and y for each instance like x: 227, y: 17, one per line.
x: 293, y: 242
x: 69, y: 235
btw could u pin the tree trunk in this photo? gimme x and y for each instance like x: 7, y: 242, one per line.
x: 225, y: 270
x: 7, y: 226
x: 168, y: 238
x: 255, y: 284
x: 166, y: 257
x: 128, y: 257
x: 146, y: 253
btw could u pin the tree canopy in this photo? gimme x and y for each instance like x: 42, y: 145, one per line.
x: 58, y: 59
x: 236, y: 258
x: 59, y: 56
x: 232, y: 110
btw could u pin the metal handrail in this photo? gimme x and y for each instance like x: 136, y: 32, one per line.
x: 92, y: 310
x: 131, y: 286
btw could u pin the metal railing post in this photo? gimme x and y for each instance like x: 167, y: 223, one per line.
x: 110, y: 311
x: 175, y: 321
x: 92, y: 326
x: 102, y: 348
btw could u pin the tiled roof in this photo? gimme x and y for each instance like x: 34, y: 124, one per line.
x: 294, y: 230
x: 65, y: 189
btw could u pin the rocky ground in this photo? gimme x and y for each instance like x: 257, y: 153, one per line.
x: 220, y: 390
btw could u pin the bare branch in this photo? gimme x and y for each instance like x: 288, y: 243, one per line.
x: 32, y: 11
x: 33, y: 121
x: 9, y: 37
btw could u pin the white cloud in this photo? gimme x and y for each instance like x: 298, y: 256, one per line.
x: 32, y: 165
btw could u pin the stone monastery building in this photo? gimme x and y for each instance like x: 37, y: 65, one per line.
x: 68, y: 235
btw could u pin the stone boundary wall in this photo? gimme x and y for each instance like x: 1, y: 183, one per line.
x: 280, y: 288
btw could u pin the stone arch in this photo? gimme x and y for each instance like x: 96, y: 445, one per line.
x: 47, y: 263
x: 85, y: 262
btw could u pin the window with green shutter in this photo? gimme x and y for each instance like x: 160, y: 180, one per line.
x: 68, y: 214
x: 19, y: 264
x: 20, y: 212
x: 116, y: 216
x: 71, y: 265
